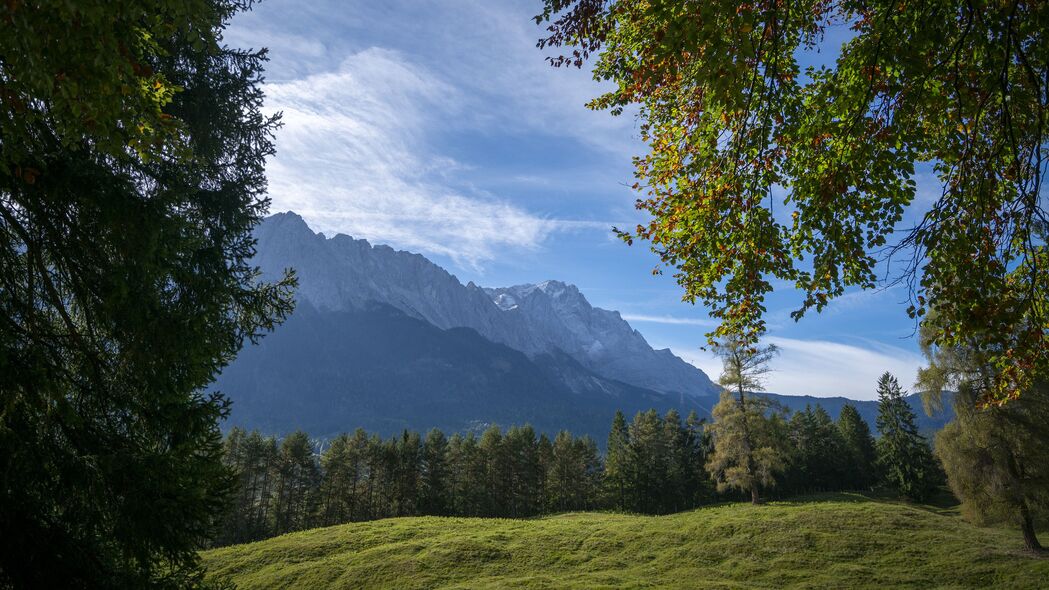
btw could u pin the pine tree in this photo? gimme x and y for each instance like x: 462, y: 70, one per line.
x: 647, y: 461
x: 675, y: 464
x: 698, y: 447
x: 296, y: 477
x: 434, y: 482
x: 904, y: 457
x: 617, y: 464
x: 524, y: 493
x: 859, y: 449
x: 818, y: 461
x: 565, y: 474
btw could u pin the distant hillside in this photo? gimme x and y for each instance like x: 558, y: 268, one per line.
x: 844, y: 541
x: 328, y: 372
x: 868, y: 409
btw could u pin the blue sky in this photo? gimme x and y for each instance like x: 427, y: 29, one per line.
x: 437, y: 127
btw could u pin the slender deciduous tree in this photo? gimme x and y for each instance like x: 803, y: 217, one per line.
x: 746, y: 452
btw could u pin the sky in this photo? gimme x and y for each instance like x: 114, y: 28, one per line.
x: 437, y: 127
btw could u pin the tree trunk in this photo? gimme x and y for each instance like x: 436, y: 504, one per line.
x: 1027, y: 527
x: 754, y: 499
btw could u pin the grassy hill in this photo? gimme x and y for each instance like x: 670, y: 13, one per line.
x: 843, y: 541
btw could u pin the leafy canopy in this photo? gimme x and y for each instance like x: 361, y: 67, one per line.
x: 758, y: 170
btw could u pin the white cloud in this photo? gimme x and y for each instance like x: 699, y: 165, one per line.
x: 668, y: 319
x: 822, y: 368
x: 353, y: 157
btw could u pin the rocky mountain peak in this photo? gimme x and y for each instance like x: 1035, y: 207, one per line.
x: 343, y: 273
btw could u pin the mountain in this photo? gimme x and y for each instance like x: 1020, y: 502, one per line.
x: 867, y: 409
x: 387, y: 340
x: 378, y: 368
x: 342, y: 273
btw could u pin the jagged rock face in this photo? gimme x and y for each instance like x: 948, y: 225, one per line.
x: 342, y: 273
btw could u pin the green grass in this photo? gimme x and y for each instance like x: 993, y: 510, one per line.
x: 841, y: 541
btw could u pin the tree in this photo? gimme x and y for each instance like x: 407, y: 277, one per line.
x: 406, y: 474
x: 748, y: 457
x: 341, y: 464
x: 818, y: 454
x: 617, y: 463
x: 433, y: 493
x: 746, y: 454
x: 296, y: 475
x: 647, y: 461
x: 904, y: 456
x: 859, y: 448
x: 132, y: 151
x: 698, y: 445
x: 525, y: 495
x: 994, y: 456
x: 755, y: 165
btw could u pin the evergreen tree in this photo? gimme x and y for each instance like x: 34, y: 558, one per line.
x: 564, y: 476
x: 132, y: 153
x: 859, y: 449
x: 341, y: 465
x: 525, y: 496
x: 545, y: 457
x: 699, y: 485
x: 295, y: 480
x: 407, y: 471
x: 434, y: 482
x: 676, y: 466
x: 498, y: 472
x: 591, y: 473
x: 818, y: 461
x: 904, y: 457
x: 647, y: 460
x: 617, y: 464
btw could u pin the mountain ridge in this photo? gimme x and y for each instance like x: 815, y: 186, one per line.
x: 387, y: 340
x: 342, y: 272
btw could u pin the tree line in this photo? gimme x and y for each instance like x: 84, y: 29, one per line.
x: 654, y: 464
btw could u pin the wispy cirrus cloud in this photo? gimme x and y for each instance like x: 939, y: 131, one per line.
x: 823, y: 368
x: 354, y: 157
x: 668, y: 319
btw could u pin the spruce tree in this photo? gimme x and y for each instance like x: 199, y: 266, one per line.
x: 904, y: 456
x: 647, y: 461
x: 859, y: 449
x: 434, y: 482
x: 132, y: 154
x: 617, y: 463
